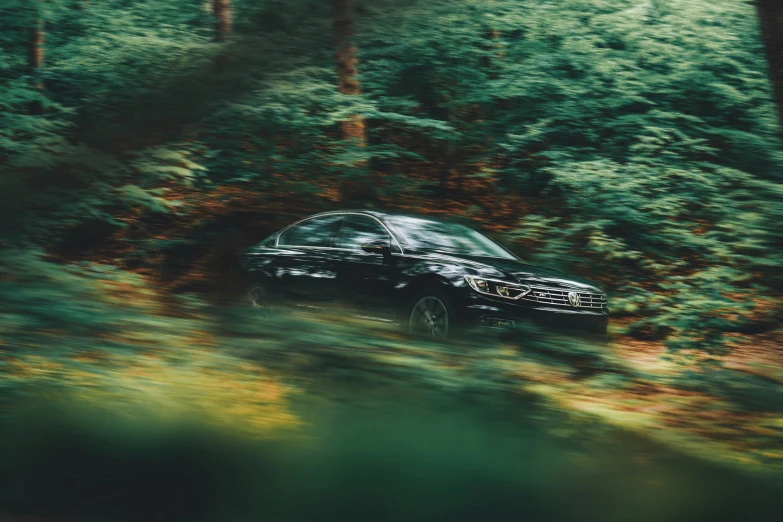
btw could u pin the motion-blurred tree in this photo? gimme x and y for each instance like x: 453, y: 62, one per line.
x: 347, y: 73
x: 35, y: 57
x: 223, y: 19
x: 354, y: 188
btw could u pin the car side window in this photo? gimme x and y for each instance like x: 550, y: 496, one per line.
x: 315, y: 232
x: 358, y: 229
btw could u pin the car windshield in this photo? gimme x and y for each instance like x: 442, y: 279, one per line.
x: 448, y: 237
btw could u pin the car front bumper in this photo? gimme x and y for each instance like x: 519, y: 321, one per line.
x: 491, y: 313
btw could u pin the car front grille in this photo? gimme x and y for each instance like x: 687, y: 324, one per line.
x: 559, y: 297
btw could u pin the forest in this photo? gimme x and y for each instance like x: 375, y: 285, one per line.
x: 144, y: 142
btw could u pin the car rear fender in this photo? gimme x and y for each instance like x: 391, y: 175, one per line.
x: 253, y: 268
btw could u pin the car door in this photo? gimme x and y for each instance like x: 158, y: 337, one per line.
x: 366, y: 280
x: 307, y: 271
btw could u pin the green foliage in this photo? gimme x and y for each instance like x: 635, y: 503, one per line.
x: 631, y: 141
x: 41, y: 297
x: 644, y: 131
x: 747, y: 392
x: 641, y: 135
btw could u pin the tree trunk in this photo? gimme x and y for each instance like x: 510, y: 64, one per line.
x: 357, y: 190
x: 771, y: 18
x: 449, y: 164
x: 223, y: 21
x: 348, y: 76
x: 35, y: 57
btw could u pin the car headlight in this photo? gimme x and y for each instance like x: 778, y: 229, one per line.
x: 497, y: 288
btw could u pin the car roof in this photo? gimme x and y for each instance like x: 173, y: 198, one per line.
x: 350, y: 211
x: 380, y: 214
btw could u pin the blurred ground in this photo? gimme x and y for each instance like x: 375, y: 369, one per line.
x: 177, y: 409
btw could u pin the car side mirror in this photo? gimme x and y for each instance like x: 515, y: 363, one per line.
x: 377, y: 247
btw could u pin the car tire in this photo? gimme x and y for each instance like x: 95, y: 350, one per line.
x: 430, y: 314
x: 258, y: 297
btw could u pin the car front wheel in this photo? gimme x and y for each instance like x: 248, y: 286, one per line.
x: 429, y: 315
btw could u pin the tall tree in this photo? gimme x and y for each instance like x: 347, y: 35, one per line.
x: 356, y: 190
x: 223, y: 20
x: 348, y: 75
x: 35, y: 52
x: 35, y: 56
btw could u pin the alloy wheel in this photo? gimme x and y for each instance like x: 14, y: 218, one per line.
x: 429, y: 316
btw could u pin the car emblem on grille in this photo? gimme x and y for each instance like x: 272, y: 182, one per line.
x: 573, y: 298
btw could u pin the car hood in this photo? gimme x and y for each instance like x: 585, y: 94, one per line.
x: 516, y: 270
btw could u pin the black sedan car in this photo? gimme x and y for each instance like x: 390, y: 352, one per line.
x: 429, y: 275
